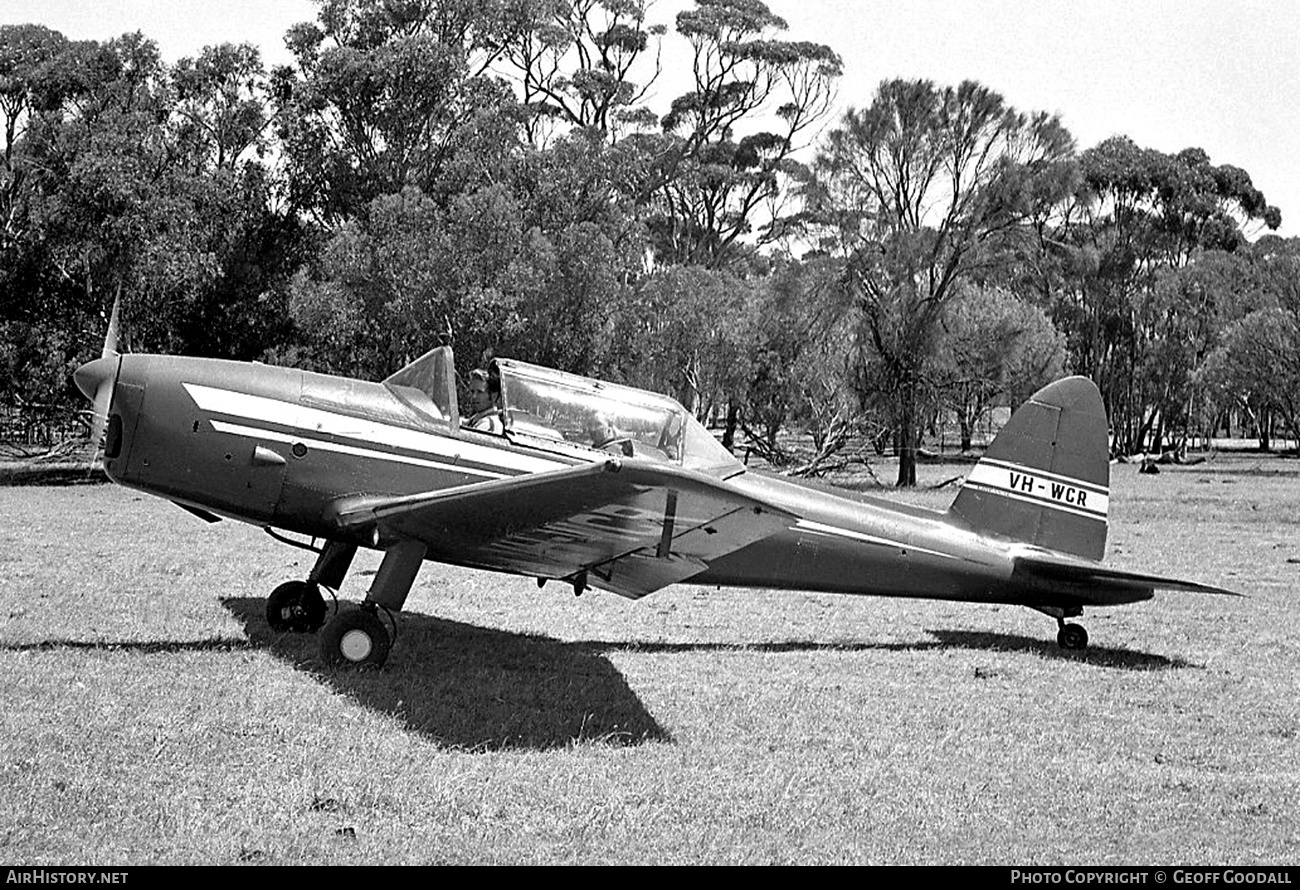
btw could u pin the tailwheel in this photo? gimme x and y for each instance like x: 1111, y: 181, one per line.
x: 295, y: 606
x: 355, y: 638
x: 1072, y: 636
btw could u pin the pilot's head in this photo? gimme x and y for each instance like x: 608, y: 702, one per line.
x: 600, y: 429
x: 482, y: 394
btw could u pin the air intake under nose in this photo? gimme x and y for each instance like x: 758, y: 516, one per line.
x: 113, y: 438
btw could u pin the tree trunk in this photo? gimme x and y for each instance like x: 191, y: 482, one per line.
x: 907, y: 437
x: 967, y: 424
x: 729, y: 432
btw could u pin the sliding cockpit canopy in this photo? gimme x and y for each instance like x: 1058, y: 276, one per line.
x: 555, y: 410
x: 544, y: 405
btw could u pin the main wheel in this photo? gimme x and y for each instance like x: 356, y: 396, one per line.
x: 355, y: 638
x: 295, y: 606
x: 1072, y: 636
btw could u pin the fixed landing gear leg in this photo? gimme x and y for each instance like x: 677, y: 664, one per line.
x: 332, y: 565
x: 357, y: 637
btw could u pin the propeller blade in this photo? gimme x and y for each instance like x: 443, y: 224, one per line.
x: 103, y: 399
x: 96, y: 379
x: 114, y: 326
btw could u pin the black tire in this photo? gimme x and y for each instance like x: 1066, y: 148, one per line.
x: 1072, y: 636
x: 355, y: 638
x: 295, y: 607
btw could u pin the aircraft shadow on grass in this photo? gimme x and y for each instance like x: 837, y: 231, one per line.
x: 473, y: 687
x: 1101, y: 656
x: 147, y: 647
x: 248, y: 612
x: 1123, y: 659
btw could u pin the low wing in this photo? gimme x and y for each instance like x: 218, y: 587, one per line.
x: 632, y: 528
x: 1094, y: 584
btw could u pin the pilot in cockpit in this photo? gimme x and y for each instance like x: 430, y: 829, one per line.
x: 485, y: 403
x: 603, y: 435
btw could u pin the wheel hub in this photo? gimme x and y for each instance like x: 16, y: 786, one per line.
x: 356, y: 645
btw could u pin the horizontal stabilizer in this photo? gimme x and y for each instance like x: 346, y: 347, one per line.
x: 1097, y: 585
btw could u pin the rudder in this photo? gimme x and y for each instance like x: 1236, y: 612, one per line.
x: 1045, y: 479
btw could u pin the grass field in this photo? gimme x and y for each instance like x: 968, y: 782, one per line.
x: 148, y: 715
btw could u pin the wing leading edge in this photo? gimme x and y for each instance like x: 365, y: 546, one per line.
x: 632, y: 528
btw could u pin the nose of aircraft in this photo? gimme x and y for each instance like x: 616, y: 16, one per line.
x: 90, y: 375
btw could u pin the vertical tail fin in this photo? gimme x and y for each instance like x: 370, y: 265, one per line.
x: 1045, y: 480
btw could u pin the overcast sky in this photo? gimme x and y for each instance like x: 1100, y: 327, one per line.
x: 1223, y: 76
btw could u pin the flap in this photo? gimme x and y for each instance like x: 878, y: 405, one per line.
x: 648, y: 569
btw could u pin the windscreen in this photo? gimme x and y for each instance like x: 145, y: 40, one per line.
x: 428, y: 383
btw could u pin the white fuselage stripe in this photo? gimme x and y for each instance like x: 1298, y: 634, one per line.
x: 1030, y: 486
x: 1045, y: 475
x: 819, y: 528
x: 1037, y: 501
x: 316, y: 421
x: 326, y: 445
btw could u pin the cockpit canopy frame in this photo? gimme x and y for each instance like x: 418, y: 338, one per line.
x: 543, y: 405
x: 558, y: 411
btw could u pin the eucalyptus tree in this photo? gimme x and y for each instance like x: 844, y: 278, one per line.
x: 995, y: 349
x: 711, y: 171
x: 719, y: 172
x: 112, y: 212
x: 915, y: 193
x: 135, y: 181
x: 34, y: 335
x: 732, y: 348
x: 1256, y: 367
x: 1139, y: 214
x: 533, y: 264
x: 168, y: 197
x: 684, y: 332
x: 1254, y: 364
x: 222, y: 113
x: 78, y: 125
x: 220, y: 128
x: 29, y: 85
x: 382, y: 91
x: 586, y: 64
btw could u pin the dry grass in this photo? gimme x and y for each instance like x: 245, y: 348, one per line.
x: 149, y: 716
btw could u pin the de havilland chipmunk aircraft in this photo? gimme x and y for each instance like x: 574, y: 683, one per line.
x: 397, y: 467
